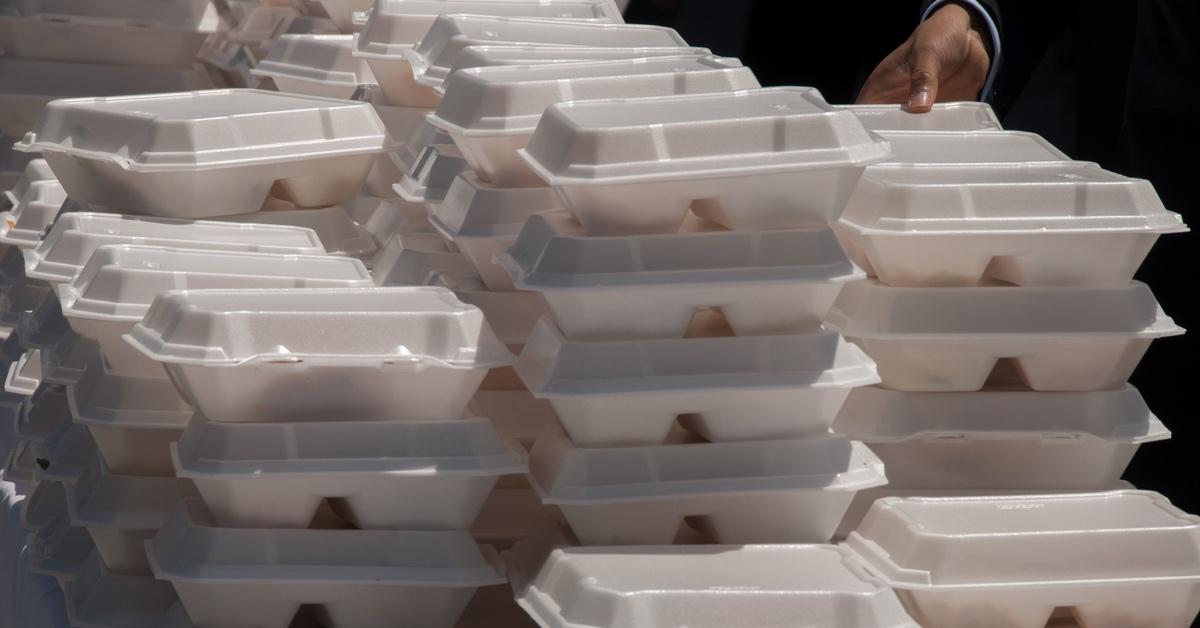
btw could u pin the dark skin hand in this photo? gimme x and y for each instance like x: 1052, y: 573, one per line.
x: 945, y: 59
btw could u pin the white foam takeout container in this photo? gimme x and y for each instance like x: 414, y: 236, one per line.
x: 32, y: 214
x: 512, y: 315
x: 33, y: 171
x: 621, y: 393
x: 42, y: 508
x: 777, y: 491
x: 492, y: 55
x: 121, y: 512
x: 396, y: 475
x: 25, y: 374
x: 1001, y: 437
x: 75, y: 236
x: 40, y: 323
x: 491, y: 113
x: 133, y: 418
x: 316, y: 65
x: 66, y: 363
x: 297, y: 355
x: 396, y: 29
x: 60, y: 551
x: 1122, y: 558
x: 944, y: 117
x: 208, y: 153
x: 1035, y: 224
x: 20, y: 465
x: 354, y: 578
x: 385, y: 217
x: 758, y: 159
x: 347, y: 15
x: 98, y: 598
x: 429, y: 171
x: 650, y: 286
x: 340, y: 235
x: 68, y: 458
x: 43, y: 418
x: 1056, y: 339
x: 698, y: 586
x: 117, y: 286
x: 27, y: 86
x: 124, y: 32
x: 1010, y: 148
x: 483, y: 221
x: 416, y: 259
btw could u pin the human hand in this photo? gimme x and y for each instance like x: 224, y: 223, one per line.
x: 946, y: 58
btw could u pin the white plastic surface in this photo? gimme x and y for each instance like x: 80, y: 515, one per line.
x: 44, y: 418
x: 66, y: 363
x: 296, y: 355
x: 68, y: 458
x: 777, y: 491
x: 377, y: 474
x: 98, y: 598
x: 345, y: 13
x: 946, y: 117
x: 208, y: 153
x: 355, y: 578
x: 1027, y: 224
x: 517, y: 415
x: 386, y: 217
x: 491, y: 113
x: 126, y: 32
x: 1011, y: 148
x: 1117, y: 559
x: 121, y: 512
x: 32, y: 214
x: 61, y: 552
x: 115, y: 289
x: 758, y: 159
x: 483, y: 220
x: 317, y: 65
x: 650, y: 286
x: 36, y: 170
x: 407, y: 73
x: 767, y: 586
x: 1001, y: 438
x: 27, y: 86
x: 1056, y: 339
x: 41, y: 324
x: 74, y: 237
x: 512, y: 315
x: 429, y: 171
x: 25, y: 375
x: 340, y: 235
x: 621, y: 393
x: 415, y: 259
x: 133, y: 419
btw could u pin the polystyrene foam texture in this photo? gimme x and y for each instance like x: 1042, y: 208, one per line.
x: 117, y: 286
x: 25, y: 375
x: 355, y: 578
x: 968, y: 147
x: 756, y: 159
x: 622, y: 393
x: 1032, y: 224
x: 943, y: 117
x: 44, y: 417
x: 33, y: 213
x: 650, y: 286
x: 75, y: 236
x: 1123, y: 558
x: 1057, y: 339
x: 315, y: 65
x: 66, y: 363
x: 340, y: 235
x: 34, y: 171
x: 209, y: 153
x: 68, y: 458
x: 492, y: 112
x: 413, y: 258
x: 294, y: 355
x: 99, y: 598
x: 777, y: 491
x: 1001, y: 438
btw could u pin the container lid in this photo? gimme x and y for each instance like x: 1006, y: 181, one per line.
x: 20, y: 465
x: 62, y: 551
x: 565, y: 474
x: 75, y: 236
x: 191, y: 548
x: 326, y: 59
x: 120, y: 282
x: 470, y: 447
x: 708, y: 587
x: 474, y: 209
x: 66, y: 363
x: 189, y: 15
x: 32, y: 214
x: 449, y: 34
x: 554, y: 252
x: 69, y: 457
x: 385, y: 326
x: 429, y: 173
x: 337, y: 231
x: 35, y: 170
x: 25, y: 375
x: 877, y: 415
x: 45, y: 415
x: 759, y: 131
x: 21, y: 298
x: 973, y: 147
x: 512, y: 315
x: 413, y: 258
x: 45, y: 504
x: 207, y: 129
x: 482, y: 56
x: 99, y: 598
x: 499, y: 100
x: 1074, y: 197
x: 126, y: 401
x: 552, y: 366
x: 347, y: 14
x: 397, y: 25
x: 100, y: 499
x: 869, y: 309
x: 947, y: 117
x: 964, y: 543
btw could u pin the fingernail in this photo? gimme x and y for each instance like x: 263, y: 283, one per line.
x: 920, y: 99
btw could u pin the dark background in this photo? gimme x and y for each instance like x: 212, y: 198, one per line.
x: 1110, y: 82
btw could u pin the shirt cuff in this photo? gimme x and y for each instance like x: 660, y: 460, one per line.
x: 990, y: 83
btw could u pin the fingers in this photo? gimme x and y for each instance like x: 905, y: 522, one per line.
x: 926, y: 69
x: 888, y: 82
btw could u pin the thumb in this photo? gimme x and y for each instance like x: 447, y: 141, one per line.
x: 923, y: 88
